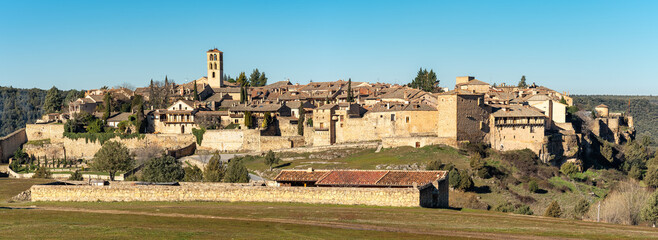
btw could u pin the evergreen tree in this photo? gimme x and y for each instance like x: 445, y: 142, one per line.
x: 247, y: 119
x: 163, y: 169
x: 267, y: 120
x: 71, y: 96
x: 271, y: 159
x: 242, y: 79
x: 215, y: 169
x: 425, y: 81
x: 113, y: 157
x: 196, y: 93
x: 107, y: 99
x: 300, y: 121
x: 350, y: 95
x: 53, y: 102
x: 167, y: 89
x: 257, y: 79
x: 522, y: 83
x: 193, y: 174
x: 236, y: 172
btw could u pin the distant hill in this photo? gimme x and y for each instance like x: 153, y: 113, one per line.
x: 644, y: 109
x: 18, y: 107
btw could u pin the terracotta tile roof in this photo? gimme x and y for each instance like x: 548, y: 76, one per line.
x: 408, y: 178
x: 301, y: 175
x: 372, y: 178
x: 351, y: 177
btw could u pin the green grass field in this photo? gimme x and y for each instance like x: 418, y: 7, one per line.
x: 213, y: 220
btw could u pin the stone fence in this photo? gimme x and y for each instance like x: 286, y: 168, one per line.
x: 127, y: 191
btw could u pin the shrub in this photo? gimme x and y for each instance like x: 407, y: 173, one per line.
x: 236, y: 172
x: 76, y: 176
x: 215, y: 169
x: 163, y: 169
x: 553, y: 210
x: 624, y: 204
x: 569, y: 169
x: 635, y: 172
x: 193, y: 174
x: 198, y: 133
x: 504, y: 207
x: 581, y: 208
x: 650, y: 210
x: 42, y: 172
x: 651, y: 178
x: 435, y: 165
x: 532, y: 186
x: 465, y: 181
x: 524, y: 210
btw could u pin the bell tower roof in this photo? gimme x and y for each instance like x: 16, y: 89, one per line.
x: 214, y: 50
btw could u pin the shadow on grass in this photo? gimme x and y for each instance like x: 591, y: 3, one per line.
x: 283, y: 165
x: 16, y: 208
x: 541, y: 191
x: 482, y: 189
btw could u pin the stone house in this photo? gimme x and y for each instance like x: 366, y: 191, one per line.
x: 555, y: 111
x: 87, y: 104
x: 433, y: 185
x: 516, y: 127
x: 472, y: 84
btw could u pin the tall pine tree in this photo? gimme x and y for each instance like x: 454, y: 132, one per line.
x: 425, y: 81
x: 53, y: 102
x: 522, y: 83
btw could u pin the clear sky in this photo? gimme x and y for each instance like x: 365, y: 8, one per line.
x: 584, y: 47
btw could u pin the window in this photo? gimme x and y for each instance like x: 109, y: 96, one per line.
x: 392, y: 117
x: 213, y: 74
x: 321, y: 125
x: 407, y: 119
x: 180, y: 106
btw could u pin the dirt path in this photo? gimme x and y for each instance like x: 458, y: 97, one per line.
x: 352, y: 226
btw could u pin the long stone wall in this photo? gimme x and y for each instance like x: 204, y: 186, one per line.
x: 81, y: 148
x: 400, y: 197
x: 10, y: 143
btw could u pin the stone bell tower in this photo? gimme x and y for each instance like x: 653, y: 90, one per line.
x: 215, y: 68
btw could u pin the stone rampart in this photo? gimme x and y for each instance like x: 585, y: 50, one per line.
x: 81, y: 148
x: 54, y: 132
x: 400, y: 197
x: 10, y: 143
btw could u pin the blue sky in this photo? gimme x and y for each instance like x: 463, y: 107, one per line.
x: 584, y: 47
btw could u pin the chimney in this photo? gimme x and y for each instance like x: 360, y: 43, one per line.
x: 309, y: 170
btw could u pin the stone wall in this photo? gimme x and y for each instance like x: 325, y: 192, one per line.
x: 10, y: 143
x: 400, y: 197
x: 246, y: 140
x: 81, y: 148
x: 54, y: 132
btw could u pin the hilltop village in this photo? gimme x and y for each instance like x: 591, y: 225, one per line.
x: 231, y: 116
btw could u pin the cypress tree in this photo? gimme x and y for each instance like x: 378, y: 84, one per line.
x: 350, y: 95
x: 196, y: 93
x: 300, y: 122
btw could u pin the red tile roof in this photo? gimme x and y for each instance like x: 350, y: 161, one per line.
x: 301, y: 175
x: 372, y: 178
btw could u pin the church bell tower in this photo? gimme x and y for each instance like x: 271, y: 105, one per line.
x: 215, y: 68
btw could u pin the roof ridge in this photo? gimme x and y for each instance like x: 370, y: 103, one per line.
x: 383, y: 175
